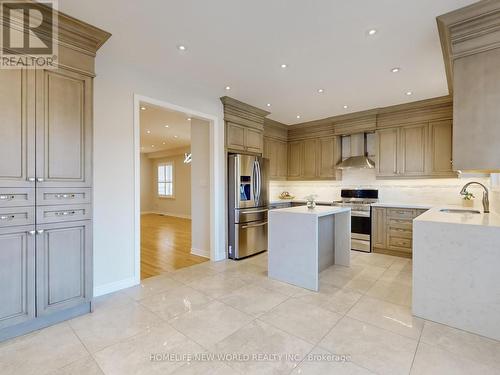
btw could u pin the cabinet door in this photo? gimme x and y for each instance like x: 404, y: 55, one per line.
x: 440, y: 147
x: 17, y: 276
x: 253, y: 140
x: 326, y: 158
x: 64, y: 129
x: 309, y: 159
x: 295, y: 150
x: 282, y: 160
x: 63, y: 266
x: 17, y: 128
x: 411, y: 161
x: 270, y: 152
x: 235, y: 137
x: 387, y: 152
x: 379, y: 232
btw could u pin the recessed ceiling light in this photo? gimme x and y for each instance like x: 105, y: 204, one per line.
x: 298, y: 116
x: 166, y: 126
x: 284, y: 66
x: 189, y: 118
x: 321, y: 91
x: 346, y: 106
x: 176, y: 136
x: 372, y: 32
x: 268, y: 104
x: 409, y: 93
x: 181, y: 47
x: 164, y: 143
x: 153, y: 146
x: 228, y: 88
x: 143, y: 108
x: 148, y: 131
x: 395, y: 70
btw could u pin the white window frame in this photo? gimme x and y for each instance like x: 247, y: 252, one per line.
x: 158, y: 182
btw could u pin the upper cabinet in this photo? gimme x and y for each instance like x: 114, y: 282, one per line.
x: 64, y: 129
x: 276, y: 149
x: 17, y: 128
x: 244, y: 126
x: 471, y: 48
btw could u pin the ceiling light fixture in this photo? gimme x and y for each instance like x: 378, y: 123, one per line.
x: 409, y: 93
x: 284, y: 66
x: 268, y: 104
x: 181, y: 47
x: 176, y: 136
x: 189, y: 118
x: 143, y: 108
x: 395, y: 70
x: 153, y: 146
x: 346, y: 106
x: 148, y: 131
x: 298, y: 116
x: 166, y: 126
x: 372, y: 32
x: 164, y: 143
x: 228, y: 88
x: 321, y: 91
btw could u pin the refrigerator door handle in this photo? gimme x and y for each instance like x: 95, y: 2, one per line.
x: 259, y: 181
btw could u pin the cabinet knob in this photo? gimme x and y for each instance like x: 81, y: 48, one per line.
x: 32, y: 232
x: 40, y: 179
x: 31, y: 179
x: 7, y: 197
x: 9, y: 217
x: 40, y: 231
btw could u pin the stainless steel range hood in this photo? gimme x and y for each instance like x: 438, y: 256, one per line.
x: 358, y: 154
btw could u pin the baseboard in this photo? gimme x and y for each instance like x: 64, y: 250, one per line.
x: 200, y: 253
x: 114, y: 286
x: 180, y: 216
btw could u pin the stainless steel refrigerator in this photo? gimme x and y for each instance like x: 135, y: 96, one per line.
x: 247, y: 205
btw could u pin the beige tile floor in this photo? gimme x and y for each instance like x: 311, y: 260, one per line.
x: 231, y: 309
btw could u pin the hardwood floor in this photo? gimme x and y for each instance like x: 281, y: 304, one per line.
x: 165, y: 245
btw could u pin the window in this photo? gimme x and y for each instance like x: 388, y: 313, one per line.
x: 166, y: 180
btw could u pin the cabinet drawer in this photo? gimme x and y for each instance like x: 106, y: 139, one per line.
x: 401, y: 224
x: 63, y: 213
x: 399, y: 242
x: 17, y: 197
x: 400, y: 213
x: 15, y: 216
x: 401, y: 233
x: 63, y: 196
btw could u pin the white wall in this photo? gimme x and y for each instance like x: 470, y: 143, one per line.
x: 115, y: 86
x: 200, y: 187
x: 146, y: 183
x: 425, y: 191
x: 180, y: 204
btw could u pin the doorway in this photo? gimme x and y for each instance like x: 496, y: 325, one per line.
x: 175, y: 171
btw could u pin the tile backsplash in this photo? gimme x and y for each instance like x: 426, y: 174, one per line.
x: 423, y: 191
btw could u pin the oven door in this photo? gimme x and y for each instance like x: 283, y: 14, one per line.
x: 361, y: 226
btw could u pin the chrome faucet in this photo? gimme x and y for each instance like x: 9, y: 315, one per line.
x: 486, y: 200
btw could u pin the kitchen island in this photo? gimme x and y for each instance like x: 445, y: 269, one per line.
x: 456, y: 269
x: 302, y: 242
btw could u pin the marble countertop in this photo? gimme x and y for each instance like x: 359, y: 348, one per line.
x: 403, y: 205
x: 436, y: 216
x: 318, y: 211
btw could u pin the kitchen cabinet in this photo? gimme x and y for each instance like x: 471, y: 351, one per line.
x: 314, y: 159
x: 276, y: 152
x: 17, y: 275
x: 46, y: 185
x: 392, y: 230
x: 415, y: 151
x: 64, y: 266
x: 235, y: 137
x: 254, y: 140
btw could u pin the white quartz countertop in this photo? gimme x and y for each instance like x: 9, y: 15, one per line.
x: 276, y: 201
x: 435, y: 215
x: 317, y: 211
x: 402, y: 205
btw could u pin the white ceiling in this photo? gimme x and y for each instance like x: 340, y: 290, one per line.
x: 242, y: 44
x: 155, y: 136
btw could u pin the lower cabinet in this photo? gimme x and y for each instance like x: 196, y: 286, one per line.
x: 392, y: 230
x: 64, y: 264
x: 17, y: 275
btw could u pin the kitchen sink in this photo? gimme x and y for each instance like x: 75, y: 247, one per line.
x: 459, y: 211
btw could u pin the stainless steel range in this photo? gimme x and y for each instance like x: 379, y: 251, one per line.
x: 359, y: 200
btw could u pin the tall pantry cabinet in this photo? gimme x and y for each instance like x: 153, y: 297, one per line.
x: 46, y: 126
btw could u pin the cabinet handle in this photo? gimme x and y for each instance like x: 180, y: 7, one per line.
x: 6, y: 197
x: 31, y: 179
x: 40, y: 179
x: 65, y: 196
x: 32, y: 232
x: 254, y: 225
x: 7, y: 218
x: 65, y: 213
x: 40, y: 231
